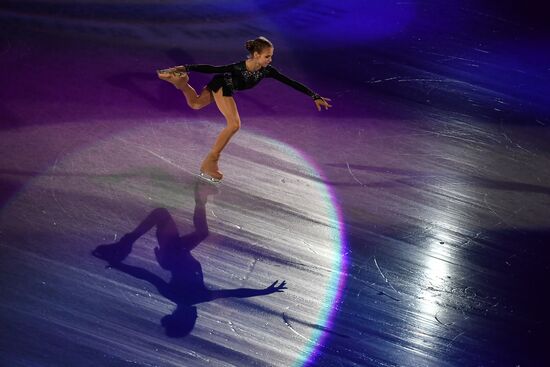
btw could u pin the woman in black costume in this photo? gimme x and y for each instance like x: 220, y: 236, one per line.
x: 229, y: 78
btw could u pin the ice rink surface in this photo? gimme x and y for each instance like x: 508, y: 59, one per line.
x: 409, y: 221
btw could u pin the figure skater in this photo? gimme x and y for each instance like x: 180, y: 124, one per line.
x: 238, y: 76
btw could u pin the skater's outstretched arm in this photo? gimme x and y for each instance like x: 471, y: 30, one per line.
x: 210, y: 69
x: 275, y: 74
x: 248, y: 292
x: 319, y: 101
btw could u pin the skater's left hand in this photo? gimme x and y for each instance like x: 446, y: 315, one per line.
x: 322, y: 102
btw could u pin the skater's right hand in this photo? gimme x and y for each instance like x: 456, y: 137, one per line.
x: 322, y: 101
x: 276, y: 288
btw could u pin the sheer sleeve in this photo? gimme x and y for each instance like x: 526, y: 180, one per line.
x: 210, y: 69
x: 275, y: 74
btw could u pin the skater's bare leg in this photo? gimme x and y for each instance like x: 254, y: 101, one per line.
x: 181, y: 82
x: 194, y: 100
x: 228, y: 108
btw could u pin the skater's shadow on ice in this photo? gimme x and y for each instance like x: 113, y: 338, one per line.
x: 186, y: 286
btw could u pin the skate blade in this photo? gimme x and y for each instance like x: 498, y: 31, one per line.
x: 209, y: 178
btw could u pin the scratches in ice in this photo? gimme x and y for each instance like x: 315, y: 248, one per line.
x: 353, y: 176
x: 318, y: 327
x: 366, y: 285
x: 480, y: 50
x: 470, y: 239
x: 164, y: 159
x: 232, y: 327
x: 515, y: 144
x: 472, y: 141
x: 287, y: 322
x: 383, y: 276
x: 488, y: 15
x: 238, y: 226
x: 250, y: 271
x: 407, y: 80
x: 446, y: 324
x: 455, y: 338
x: 423, y: 80
x: 309, y: 247
x: 63, y: 209
x: 502, y: 219
x: 382, y: 80
x: 154, y: 132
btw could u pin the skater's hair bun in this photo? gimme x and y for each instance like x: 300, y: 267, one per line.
x: 257, y: 45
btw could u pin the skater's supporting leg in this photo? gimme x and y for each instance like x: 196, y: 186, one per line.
x: 228, y: 108
x: 193, y: 239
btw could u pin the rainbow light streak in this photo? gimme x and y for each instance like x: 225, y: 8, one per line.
x: 337, y: 280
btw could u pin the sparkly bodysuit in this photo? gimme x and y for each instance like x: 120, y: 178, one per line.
x: 237, y: 77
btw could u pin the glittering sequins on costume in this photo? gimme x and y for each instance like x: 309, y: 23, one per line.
x: 228, y: 87
x: 252, y: 77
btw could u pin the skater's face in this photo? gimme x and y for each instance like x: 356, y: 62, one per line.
x: 264, y: 57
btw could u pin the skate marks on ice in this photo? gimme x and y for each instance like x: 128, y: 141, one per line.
x: 259, y: 230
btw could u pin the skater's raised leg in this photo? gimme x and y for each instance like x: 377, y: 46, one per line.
x: 164, y: 223
x: 181, y: 82
x: 228, y: 108
x: 167, y: 232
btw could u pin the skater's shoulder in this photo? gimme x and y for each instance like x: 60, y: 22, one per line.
x: 241, y: 65
x: 270, y: 70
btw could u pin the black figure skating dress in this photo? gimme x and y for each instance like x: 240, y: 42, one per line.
x: 235, y: 77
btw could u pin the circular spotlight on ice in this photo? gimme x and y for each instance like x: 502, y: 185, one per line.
x: 274, y: 219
